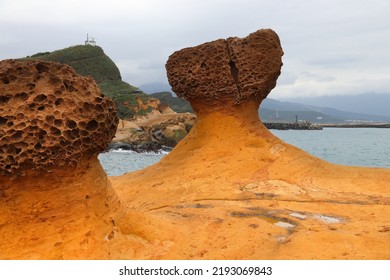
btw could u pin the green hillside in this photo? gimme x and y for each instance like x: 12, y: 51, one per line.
x: 90, y: 60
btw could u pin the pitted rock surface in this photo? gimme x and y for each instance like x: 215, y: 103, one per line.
x: 50, y: 116
x: 233, y: 69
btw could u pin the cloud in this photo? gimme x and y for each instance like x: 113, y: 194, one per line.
x: 330, y: 46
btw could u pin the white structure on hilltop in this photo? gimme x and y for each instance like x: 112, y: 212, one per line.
x: 90, y: 41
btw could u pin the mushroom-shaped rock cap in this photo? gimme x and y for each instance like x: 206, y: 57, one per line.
x: 228, y: 70
x: 50, y: 117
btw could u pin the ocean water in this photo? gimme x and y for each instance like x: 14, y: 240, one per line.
x: 347, y: 146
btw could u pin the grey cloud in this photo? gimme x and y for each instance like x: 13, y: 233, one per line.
x: 330, y: 38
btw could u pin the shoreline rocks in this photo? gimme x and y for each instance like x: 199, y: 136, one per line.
x: 294, y: 126
x: 154, y: 131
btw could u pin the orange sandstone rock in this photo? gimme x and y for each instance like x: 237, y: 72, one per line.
x: 232, y: 190
x: 227, y: 70
x: 50, y: 117
x: 55, y: 199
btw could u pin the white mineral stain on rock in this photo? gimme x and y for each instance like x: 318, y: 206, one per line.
x: 298, y: 215
x: 284, y: 225
x: 327, y: 219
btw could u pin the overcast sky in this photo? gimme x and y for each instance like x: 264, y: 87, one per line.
x: 332, y: 47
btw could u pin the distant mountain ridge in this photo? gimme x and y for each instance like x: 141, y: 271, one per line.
x: 272, y: 110
x: 319, y: 114
x: 364, y: 103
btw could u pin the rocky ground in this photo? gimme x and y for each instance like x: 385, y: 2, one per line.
x: 162, y: 128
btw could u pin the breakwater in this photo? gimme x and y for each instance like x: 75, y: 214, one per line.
x: 296, y: 126
x: 359, y: 125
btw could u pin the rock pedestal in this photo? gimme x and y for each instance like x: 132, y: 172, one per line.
x: 232, y: 190
x: 55, y: 199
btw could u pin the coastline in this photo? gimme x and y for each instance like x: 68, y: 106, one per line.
x: 359, y: 125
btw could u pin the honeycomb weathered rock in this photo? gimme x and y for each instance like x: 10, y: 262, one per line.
x: 233, y: 69
x: 50, y: 116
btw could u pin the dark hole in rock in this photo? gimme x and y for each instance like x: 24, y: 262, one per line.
x: 58, y: 122
x: 55, y: 131
x: 31, y: 86
x: 3, y: 121
x: 17, y: 135
x: 4, y: 99
x: 71, y: 88
x: 40, y: 98
x: 87, y: 106
x: 59, y: 101
x: 71, y: 124
x: 42, y: 134
x: 68, y: 135
x: 41, y: 67
x: 50, y: 118
x: 92, y: 125
x: 22, y: 95
x: 99, y: 108
x: 75, y: 133
x: 5, y: 80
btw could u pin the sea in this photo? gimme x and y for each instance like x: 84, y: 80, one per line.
x: 368, y: 147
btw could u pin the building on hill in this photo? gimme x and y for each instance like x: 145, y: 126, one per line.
x: 90, y: 41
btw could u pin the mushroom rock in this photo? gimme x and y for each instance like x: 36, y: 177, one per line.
x: 55, y: 199
x: 232, y: 190
x: 50, y: 117
x: 233, y: 70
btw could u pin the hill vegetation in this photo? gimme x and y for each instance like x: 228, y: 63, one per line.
x: 90, y: 60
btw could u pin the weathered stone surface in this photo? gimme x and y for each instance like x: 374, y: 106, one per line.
x: 227, y: 70
x: 50, y: 117
x: 51, y: 120
x: 232, y: 190
x: 154, y: 131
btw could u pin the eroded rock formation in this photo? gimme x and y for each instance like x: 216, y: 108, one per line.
x: 55, y: 199
x: 232, y: 190
x: 159, y: 129
x: 227, y: 70
x: 50, y: 117
x: 153, y: 132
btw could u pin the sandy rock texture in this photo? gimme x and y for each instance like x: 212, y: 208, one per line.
x: 232, y: 70
x: 50, y: 117
x: 55, y: 199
